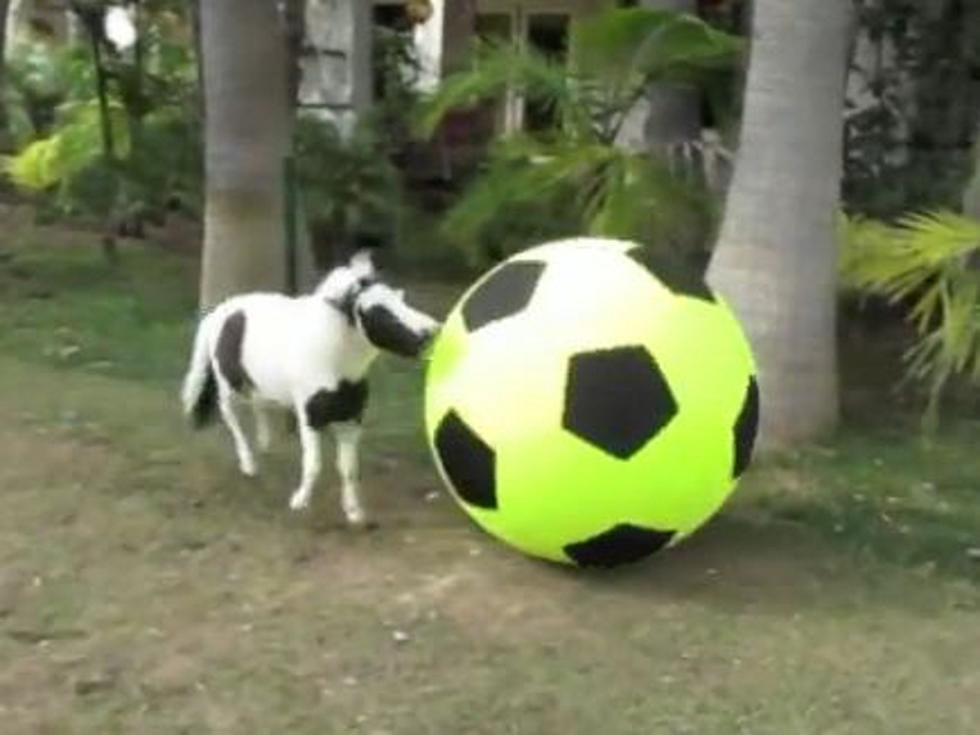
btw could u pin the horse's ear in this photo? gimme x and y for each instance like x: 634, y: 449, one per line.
x: 350, y: 249
x: 362, y: 263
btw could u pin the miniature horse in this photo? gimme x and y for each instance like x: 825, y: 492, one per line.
x: 309, y: 354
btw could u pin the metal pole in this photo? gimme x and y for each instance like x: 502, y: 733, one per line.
x: 289, y: 215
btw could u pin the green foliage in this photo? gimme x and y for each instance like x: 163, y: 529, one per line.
x: 496, y: 67
x: 569, y: 187
x: 396, y: 71
x: 573, y: 177
x: 907, y: 143
x: 67, y: 152
x: 931, y: 261
x: 152, y: 118
x: 38, y: 79
x: 630, y: 47
x: 348, y: 184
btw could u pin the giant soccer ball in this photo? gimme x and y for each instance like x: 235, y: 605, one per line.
x: 591, y: 402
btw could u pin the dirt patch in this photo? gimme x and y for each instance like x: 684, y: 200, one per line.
x: 148, y: 588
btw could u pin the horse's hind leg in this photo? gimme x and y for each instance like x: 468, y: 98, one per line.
x: 263, y: 432
x: 226, y: 402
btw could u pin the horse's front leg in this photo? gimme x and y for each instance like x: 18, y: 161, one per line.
x: 309, y: 437
x: 347, y: 436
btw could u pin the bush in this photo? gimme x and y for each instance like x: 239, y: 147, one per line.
x: 152, y: 119
x: 349, y: 187
x: 573, y: 177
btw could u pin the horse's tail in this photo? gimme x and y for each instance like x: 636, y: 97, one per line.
x: 199, y: 394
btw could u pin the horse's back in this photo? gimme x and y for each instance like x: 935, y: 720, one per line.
x: 278, y: 348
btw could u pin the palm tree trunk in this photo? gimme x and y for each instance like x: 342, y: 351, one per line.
x: 775, y: 261
x: 247, y: 133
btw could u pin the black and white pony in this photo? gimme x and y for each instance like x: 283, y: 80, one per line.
x: 308, y: 354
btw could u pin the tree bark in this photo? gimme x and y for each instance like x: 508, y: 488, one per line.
x: 775, y: 261
x: 247, y: 135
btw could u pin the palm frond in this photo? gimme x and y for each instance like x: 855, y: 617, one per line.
x: 496, y: 69
x: 347, y: 182
x: 925, y: 258
x: 599, y: 189
x: 523, y: 170
x: 649, y: 44
x: 898, y: 259
x: 641, y: 199
x: 576, y: 168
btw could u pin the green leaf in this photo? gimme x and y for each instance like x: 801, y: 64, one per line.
x: 76, y: 145
x: 495, y: 69
x: 928, y: 258
x: 31, y: 169
x: 653, y: 45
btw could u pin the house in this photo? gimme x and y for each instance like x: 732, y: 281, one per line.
x: 337, y: 65
x: 338, y: 77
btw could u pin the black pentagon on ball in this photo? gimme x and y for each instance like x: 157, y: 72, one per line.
x: 621, y: 544
x: 681, y: 275
x: 617, y: 399
x: 504, y: 293
x: 746, y: 428
x: 468, y: 462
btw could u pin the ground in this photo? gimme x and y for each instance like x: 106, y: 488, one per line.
x: 145, y: 587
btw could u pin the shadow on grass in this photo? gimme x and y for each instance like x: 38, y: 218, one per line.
x: 880, y: 499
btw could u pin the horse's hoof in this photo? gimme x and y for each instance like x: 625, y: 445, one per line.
x: 299, y: 501
x: 362, y: 524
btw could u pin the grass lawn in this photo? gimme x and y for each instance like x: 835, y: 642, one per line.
x: 146, y: 588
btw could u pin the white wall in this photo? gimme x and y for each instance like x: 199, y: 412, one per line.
x: 429, y: 44
x: 336, y: 74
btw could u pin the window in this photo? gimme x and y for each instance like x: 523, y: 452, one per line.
x: 528, y: 26
x: 494, y: 26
